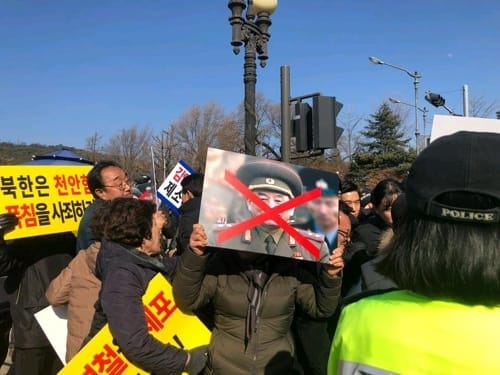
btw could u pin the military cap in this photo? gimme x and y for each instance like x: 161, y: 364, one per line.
x: 312, y: 178
x: 270, y: 175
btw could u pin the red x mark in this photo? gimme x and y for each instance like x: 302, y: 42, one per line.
x: 269, y: 213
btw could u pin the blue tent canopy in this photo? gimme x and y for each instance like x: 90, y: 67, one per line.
x: 59, y: 157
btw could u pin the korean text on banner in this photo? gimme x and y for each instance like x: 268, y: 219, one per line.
x: 46, y: 199
x: 165, y: 322
x: 170, y: 191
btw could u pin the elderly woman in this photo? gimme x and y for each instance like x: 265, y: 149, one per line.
x: 128, y: 259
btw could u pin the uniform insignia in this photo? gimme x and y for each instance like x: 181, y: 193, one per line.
x: 270, y: 181
x: 312, y: 235
x: 322, y: 184
x: 220, y: 227
x: 247, y: 236
x: 292, y: 242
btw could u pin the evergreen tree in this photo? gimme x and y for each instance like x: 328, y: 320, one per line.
x: 385, y: 152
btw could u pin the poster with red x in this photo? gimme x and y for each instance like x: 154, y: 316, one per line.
x: 266, y: 206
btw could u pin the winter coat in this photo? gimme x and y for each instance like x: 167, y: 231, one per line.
x: 78, y: 287
x: 223, y: 282
x: 365, y: 242
x: 85, y: 237
x: 190, y: 214
x: 125, y: 274
x: 30, y: 264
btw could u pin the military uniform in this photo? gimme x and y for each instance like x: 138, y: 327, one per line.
x: 270, y: 175
x: 254, y: 240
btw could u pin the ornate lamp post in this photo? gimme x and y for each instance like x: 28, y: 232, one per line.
x: 253, y: 32
x: 424, y: 115
x: 416, y: 76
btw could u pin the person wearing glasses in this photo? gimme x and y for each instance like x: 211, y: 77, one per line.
x: 77, y: 285
x: 106, y: 180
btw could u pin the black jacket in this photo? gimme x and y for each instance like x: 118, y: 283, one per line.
x: 30, y: 264
x: 190, y: 214
x: 125, y: 274
x: 363, y: 248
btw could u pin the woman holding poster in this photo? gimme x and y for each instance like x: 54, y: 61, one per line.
x: 128, y: 259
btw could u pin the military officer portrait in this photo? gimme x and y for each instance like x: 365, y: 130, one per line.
x: 274, y: 183
x: 322, y: 215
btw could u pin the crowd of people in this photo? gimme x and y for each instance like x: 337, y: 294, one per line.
x: 408, y: 282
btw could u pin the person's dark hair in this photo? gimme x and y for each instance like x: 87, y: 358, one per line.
x: 193, y: 183
x: 447, y: 260
x: 347, y: 186
x: 94, y: 178
x: 127, y: 221
x: 398, y: 210
x: 345, y: 208
x: 384, y: 189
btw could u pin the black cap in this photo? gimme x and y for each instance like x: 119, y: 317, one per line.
x: 270, y: 175
x: 463, y: 162
x: 313, y: 178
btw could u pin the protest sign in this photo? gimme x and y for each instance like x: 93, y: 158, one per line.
x: 170, y: 191
x: 165, y: 322
x: 54, y: 323
x: 245, y: 198
x: 46, y: 199
x: 443, y: 125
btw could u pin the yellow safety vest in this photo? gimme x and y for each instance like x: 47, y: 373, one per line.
x: 405, y: 333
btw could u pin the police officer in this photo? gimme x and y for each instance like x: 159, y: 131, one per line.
x: 274, y: 183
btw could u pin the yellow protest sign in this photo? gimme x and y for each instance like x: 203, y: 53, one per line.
x: 165, y: 322
x: 46, y: 199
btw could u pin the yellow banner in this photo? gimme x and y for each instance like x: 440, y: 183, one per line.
x: 165, y: 322
x: 46, y: 199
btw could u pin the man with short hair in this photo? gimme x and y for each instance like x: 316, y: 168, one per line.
x: 349, y: 194
x: 192, y: 187
x: 106, y: 180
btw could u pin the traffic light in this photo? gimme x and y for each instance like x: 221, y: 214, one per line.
x: 435, y: 99
x: 302, y: 127
x: 325, y: 132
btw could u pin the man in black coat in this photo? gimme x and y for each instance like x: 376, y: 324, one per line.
x: 192, y: 187
x: 29, y: 265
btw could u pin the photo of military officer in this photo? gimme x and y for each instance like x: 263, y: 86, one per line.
x: 322, y: 212
x: 273, y: 183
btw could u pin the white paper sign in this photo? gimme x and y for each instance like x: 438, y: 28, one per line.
x: 444, y: 125
x: 54, y: 323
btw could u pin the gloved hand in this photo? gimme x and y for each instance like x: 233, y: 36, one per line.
x: 7, y: 223
x: 197, y: 360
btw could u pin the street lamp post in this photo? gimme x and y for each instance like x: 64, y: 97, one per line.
x: 424, y: 115
x: 416, y: 76
x: 253, y: 32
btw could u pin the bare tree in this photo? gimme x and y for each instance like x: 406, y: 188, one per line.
x: 166, y: 153
x: 93, y: 146
x: 480, y: 107
x: 349, y: 142
x: 202, y: 127
x: 268, y: 125
x: 132, y: 149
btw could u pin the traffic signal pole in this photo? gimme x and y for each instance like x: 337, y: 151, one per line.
x: 286, y: 123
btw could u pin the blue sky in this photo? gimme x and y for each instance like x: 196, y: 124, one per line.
x: 72, y: 68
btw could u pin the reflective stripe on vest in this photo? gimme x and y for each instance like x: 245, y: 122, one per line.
x: 405, y: 333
